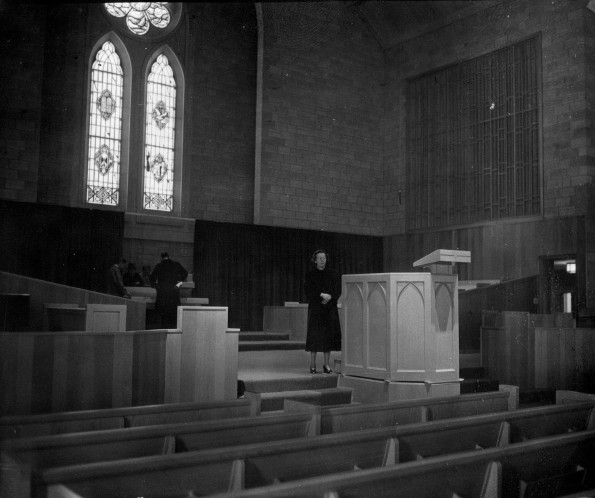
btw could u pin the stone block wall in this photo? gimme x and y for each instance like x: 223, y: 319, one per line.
x: 566, y: 30
x: 322, y: 149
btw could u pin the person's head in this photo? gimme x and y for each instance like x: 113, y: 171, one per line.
x: 320, y: 259
x: 164, y: 255
x: 122, y: 265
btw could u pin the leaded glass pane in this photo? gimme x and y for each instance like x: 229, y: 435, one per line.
x: 140, y: 15
x: 160, y: 137
x: 105, y: 127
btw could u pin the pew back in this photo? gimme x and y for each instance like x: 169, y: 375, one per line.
x: 263, y: 464
x: 335, y: 419
x: 562, y: 463
x: 97, y: 446
x: 117, y: 418
x: 553, y: 466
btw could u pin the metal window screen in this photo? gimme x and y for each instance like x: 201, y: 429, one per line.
x: 472, y: 140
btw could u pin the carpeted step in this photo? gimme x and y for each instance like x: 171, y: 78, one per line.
x: 270, y: 345
x: 302, y: 383
x: 263, y: 336
x: 274, y: 401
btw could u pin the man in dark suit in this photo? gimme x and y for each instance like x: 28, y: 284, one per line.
x: 167, y: 277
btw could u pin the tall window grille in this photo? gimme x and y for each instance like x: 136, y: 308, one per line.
x: 160, y: 119
x: 472, y: 140
x: 105, y: 128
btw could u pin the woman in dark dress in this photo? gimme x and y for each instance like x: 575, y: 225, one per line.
x: 323, y: 289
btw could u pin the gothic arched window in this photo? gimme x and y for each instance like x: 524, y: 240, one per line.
x: 160, y: 136
x: 105, y: 128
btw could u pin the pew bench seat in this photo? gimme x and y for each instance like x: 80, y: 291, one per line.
x: 552, y: 466
x: 265, y: 464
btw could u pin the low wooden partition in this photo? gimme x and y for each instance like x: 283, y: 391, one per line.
x: 208, y: 362
x: 537, y: 351
x: 14, y: 312
x: 262, y: 465
x: 60, y: 317
x: 292, y: 319
x: 46, y: 372
x: 42, y: 292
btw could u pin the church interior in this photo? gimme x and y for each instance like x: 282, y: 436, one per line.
x: 440, y: 152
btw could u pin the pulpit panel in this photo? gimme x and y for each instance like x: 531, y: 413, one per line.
x: 377, y: 325
x: 354, y: 320
x: 411, y: 326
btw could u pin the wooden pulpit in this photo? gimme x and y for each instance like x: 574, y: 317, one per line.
x: 401, y: 330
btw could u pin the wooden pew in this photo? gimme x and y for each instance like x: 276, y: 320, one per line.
x: 342, y: 418
x: 114, y: 444
x: 117, y: 418
x: 555, y: 466
x: 263, y: 464
x: 419, y: 440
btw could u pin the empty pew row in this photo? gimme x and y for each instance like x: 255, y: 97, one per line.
x: 557, y: 466
x: 114, y: 444
x: 341, y: 418
x: 117, y: 418
x: 458, y: 435
x: 333, y: 419
x: 256, y: 465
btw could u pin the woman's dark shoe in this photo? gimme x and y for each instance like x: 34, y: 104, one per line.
x: 327, y: 370
x: 312, y: 370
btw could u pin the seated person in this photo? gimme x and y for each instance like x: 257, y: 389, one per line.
x: 132, y: 278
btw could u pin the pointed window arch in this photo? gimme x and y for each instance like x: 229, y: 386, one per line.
x: 159, y: 185
x: 104, y: 151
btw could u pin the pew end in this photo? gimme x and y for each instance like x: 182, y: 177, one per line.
x: 292, y: 406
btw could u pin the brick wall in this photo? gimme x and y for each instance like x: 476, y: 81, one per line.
x: 322, y: 149
x: 568, y: 153
x: 21, y: 51
x: 220, y: 113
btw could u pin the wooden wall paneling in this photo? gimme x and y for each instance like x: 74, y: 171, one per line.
x: 121, y: 377
x: 64, y: 371
x: 105, y: 318
x: 293, y: 319
x: 148, y: 376
x: 173, y: 359
x: 203, y: 369
x: 24, y: 382
x: 230, y: 378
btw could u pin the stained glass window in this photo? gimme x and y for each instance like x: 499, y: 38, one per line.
x: 105, y: 127
x: 160, y: 119
x: 141, y: 15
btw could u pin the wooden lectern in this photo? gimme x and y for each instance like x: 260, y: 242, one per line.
x: 401, y: 331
